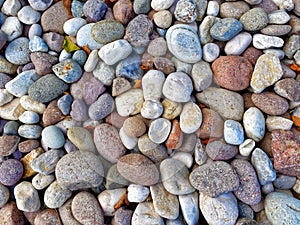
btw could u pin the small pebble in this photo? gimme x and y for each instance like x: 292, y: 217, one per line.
x: 30, y: 131
x: 41, y: 181
x: 94, y: 10
x: 130, y: 102
x: 190, y: 118
x: 163, y: 126
x: 72, y: 26
x: 233, y: 132
x: 238, y: 44
x: 163, y: 19
x: 202, y: 75
x: 261, y: 41
x: 278, y: 123
x: 226, y: 29
x: 278, y: 17
x: 55, y: 196
x: 11, y: 171
x: 211, y: 51
x: 185, y: 11
x: 137, y: 193
x: 4, y: 196
x: 246, y: 147
x: 40, y: 5
x: 84, y: 37
x: 255, y: 19
x: 145, y: 213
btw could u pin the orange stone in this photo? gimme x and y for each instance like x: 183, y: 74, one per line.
x: 175, y: 138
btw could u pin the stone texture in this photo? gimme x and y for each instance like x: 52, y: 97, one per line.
x: 220, y: 150
x: 11, y: 215
x: 288, y: 88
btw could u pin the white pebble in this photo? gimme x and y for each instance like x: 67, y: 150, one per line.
x: 212, y: 8
x: 35, y: 30
x: 151, y: 109
x: 12, y: 27
x: 128, y: 142
x: 28, y: 15
x: 137, y: 193
x: 190, y: 118
x: 211, y: 51
x: 11, y: 7
x: 261, y: 41
x: 238, y: 44
x: 29, y: 117
x: 254, y: 123
x: 233, y: 132
x: 278, y: 123
x: 159, y: 130
x: 91, y: 61
x: 278, y: 17
x: 152, y: 83
x: 72, y: 26
x: 184, y: 157
x: 247, y: 147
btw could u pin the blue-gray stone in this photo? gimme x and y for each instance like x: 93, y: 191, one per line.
x: 282, y: 208
x: 68, y: 70
x: 64, y: 104
x: 225, y: 29
x: 84, y: 37
x: 35, y: 30
x: 76, y: 8
x: 129, y: 68
x: 29, y: 117
x: 17, y: 52
x: 80, y: 57
x: 233, y: 132
x: 37, y: 44
x: 30, y: 131
x: 53, y: 137
x: 11, y: 128
x: 102, y: 107
x: 28, y: 15
x: 141, y: 6
x: 94, y: 10
x: 47, y: 88
x: 161, y: 32
x: 2, y: 18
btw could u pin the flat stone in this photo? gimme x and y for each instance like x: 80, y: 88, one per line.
x: 53, y: 137
x: 163, y: 126
x: 254, y: 123
x: 81, y: 138
x: 190, y: 118
x: 158, y: 5
x: 27, y: 159
x: 130, y: 102
x: 86, y: 209
x: 211, y: 51
x: 249, y: 189
x: 227, y: 103
x: 219, y: 210
x: 72, y: 25
x: 255, y: 19
x: 55, y: 196
x: 79, y: 110
x: 266, y: 72
x: 138, y: 169
x: 278, y: 123
x: 28, y: 15
x: 31, y: 105
x: 94, y: 10
x: 17, y: 51
x: 68, y: 70
x: 225, y: 29
x: 54, y: 41
x: 145, y: 213
x: 8, y: 144
x: 189, y: 205
x: 102, y: 107
x: 165, y: 204
x: 41, y: 181
x: 278, y: 17
x: 288, y: 88
x: 261, y: 41
x: 52, y: 114
x: 214, y: 178
x: 282, y: 208
x: 163, y: 19
x: 108, y: 142
x: 79, y: 169
x: 202, y: 75
x: 27, y: 197
x: 104, y: 73
x: 174, y: 176
x: 184, y: 43
x: 175, y: 138
x: 30, y: 131
x: 284, y: 182
x: 276, y: 30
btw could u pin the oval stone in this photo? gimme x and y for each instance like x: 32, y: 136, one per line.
x: 159, y: 130
x: 254, y: 123
x: 184, y: 43
x: 190, y: 118
x: 55, y: 196
x: 11, y: 171
x: 138, y: 169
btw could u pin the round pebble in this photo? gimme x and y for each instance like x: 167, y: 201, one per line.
x: 254, y: 123
x: 163, y: 126
x: 163, y: 19
x: 84, y: 37
x: 102, y: 107
x: 29, y: 117
x: 137, y: 193
x: 107, y: 31
x: 185, y: 11
x: 255, y: 19
x: 226, y: 29
x: 11, y: 172
x: 17, y: 52
x: 12, y: 27
x: 53, y: 137
x: 233, y: 132
x: 211, y: 51
x: 190, y: 118
x: 94, y: 10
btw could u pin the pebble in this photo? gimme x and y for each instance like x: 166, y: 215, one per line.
x: 107, y: 31
x: 102, y: 107
x: 278, y: 123
x: 68, y: 70
x: 225, y: 29
x: 72, y: 25
x: 171, y: 109
x: 66, y: 215
x: 145, y: 213
x: 138, y: 31
x: 11, y: 172
x: 5, y: 97
x: 28, y: 15
x: 246, y: 147
x: 29, y: 117
x: 122, y: 216
x: 155, y: 152
x: 40, y: 5
x: 47, y: 88
x: 232, y: 72
x: 27, y: 197
x: 141, y: 6
x: 158, y: 5
x: 211, y: 51
x: 254, y: 123
x: 108, y: 142
x: 219, y: 210
x: 94, y: 10
x: 54, y: 17
x: 115, y: 51
x: 86, y: 209
x: 80, y: 57
x: 249, y: 189
x: 11, y: 7
x: 284, y: 182
x: 175, y: 177
x: 12, y: 27
x: 233, y: 9
x: 79, y: 110
x: 219, y: 150
x: 4, y: 196
x: 53, y: 137
x: 130, y: 102
x: 161, y: 124
x: 120, y: 85
x: 92, y: 89
x: 104, y: 73
x: 175, y: 138
x: 202, y: 75
x: 276, y: 30
x: 84, y: 37
x: 54, y: 41
x: 138, y: 169
x: 190, y: 118
x: 183, y: 42
x: 17, y: 52
x: 43, y: 62
x: 163, y: 19
x: 288, y: 88
x: 64, y: 104
x: 10, y: 214
x: 165, y: 203
x: 233, y: 132
x: 27, y: 159
x: 227, y: 103
x: 278, y: 17
x: 41, y: 181
x: 129, y: 68
x: 263, y: 166
x: 238, y: 44
x: 137, y: 193
x: 47, y: 216
x: 261, y: 41
x: 79, y: 169
x: 91, y: 61
x: 255, y: 19
x: 123, y: 11
x: 151, y: 109
x: 30, y: 131
x: 291, y: 46
x: 134, y: 127
x: 283, y: 144
x: 266, y: 72
x: 81, y: 138
x: 109, y: 198
x: 212, y: 8
x: 55, y: 196
x: 189, y: 205
x: 114, y: 179
x: 281, y: 208
x: 164, y: 64
x: 185, y: 11
x: 172, y: 84
x: 11, y: 128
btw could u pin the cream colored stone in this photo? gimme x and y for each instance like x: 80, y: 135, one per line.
x: 12, y: 110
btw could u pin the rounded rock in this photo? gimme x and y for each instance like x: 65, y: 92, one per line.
x: 130, y: 102
x: 255, y: 19
x: 11, y: 171
x: 72, y: 25
x: 137, y: 193
x: 159, y: 130
x: 161, y: 5
x: 233, y: 132
x: 55, y: 196
x: 163, y: 19
x: 47, y: 216
x: 190, y: 118
x: 134, y: 126
x: 84, y: 37
x: 41, y: 181
x: 65, y: 214
x: 219, y: 150
x: 30, y: 131
x: 40, y: 5
x: 211, y: 51
x: 10, y: 214
x: 151, y: 109
x: 4, y: 196
x: 186, y: 11
x: 12, y: 27
x: 254, y: 123
x: 226, y: 29
x: 29, y: 117
x: 94, y: 10
x: 238, y: 44
x: 53, y: 137
x: 102, y: 107
x: 28, y: 15
x: 138, y: 169
x: 17, y: 52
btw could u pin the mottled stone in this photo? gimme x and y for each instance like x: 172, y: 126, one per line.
x: 65, y: 214
x: 55, y: 196
x: 288, y: 88
x: 47, y: 217
x: 225, y: 29
x: 8, y: 144
x: 17, y: 52
x: 123, y: 11
x: 94, y: 10
x: 109, y: 198
x: 255, y: 19
x: 145, y: 213
x: 220, y: 150
x: 254, y: 123
x: 10, y: 214
x: 11, y: 171
x: 130, y: 102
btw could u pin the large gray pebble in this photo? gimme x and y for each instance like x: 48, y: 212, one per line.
x: 102, y: 107
x: 202, y: 75
x: 189, y: 205
x: 12, y: 27
x: 53, y: 137
x: 174, y: 175
x: 17, y: 52
x: 281, y: 209
x: 222, y: 210
x: 55, y: 196
x: 184, y: 43
x: 79, y: 169
x: 145, y: 214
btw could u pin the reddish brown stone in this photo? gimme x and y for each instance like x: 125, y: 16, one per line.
x: 252, y: 54
x: 285, y: 150
x: 247, y: 100
x: 164, y: 65
x: 11, y: 215
x: 8, y: 144
x: 115, y: 119
x: 175, y: 138
x: 52, y: 114
x: 30, y: 216
x: 134, y: 127
x: 123, y: 11
x: 147, y: 61
x: 220, y: 150
x: 270, y: 103
x: 27, y: 146
x: 47, y: 217
x: 232, y: 72
x: 266, y: 144
x: 212, y: 125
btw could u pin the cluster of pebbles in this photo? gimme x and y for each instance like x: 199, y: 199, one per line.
x: 150, y: 112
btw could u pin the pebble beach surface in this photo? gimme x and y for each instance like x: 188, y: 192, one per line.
x: 149, y: 112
